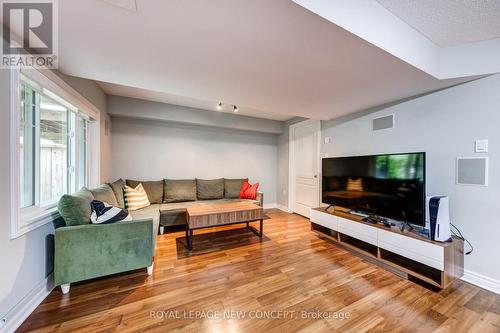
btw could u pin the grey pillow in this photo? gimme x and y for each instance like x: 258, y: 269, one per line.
x: 117, y: 187
x: 232, y: 188
x: 179, y: 190
x: 154, y: 189
x: 105, y: 193
x: 210, y: 189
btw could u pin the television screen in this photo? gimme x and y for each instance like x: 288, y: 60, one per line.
x: 391, y: 185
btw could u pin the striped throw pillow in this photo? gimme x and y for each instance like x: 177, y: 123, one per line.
x: 135, y: 198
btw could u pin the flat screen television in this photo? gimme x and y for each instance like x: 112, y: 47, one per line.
x: 389, y: 185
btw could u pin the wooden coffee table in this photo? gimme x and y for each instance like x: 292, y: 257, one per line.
x: 207, y: 216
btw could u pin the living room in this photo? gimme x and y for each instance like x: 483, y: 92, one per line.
x: 250, y: 166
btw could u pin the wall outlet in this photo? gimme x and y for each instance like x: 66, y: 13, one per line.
x: 328, y: 139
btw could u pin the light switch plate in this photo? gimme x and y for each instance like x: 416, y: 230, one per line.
x: 481, y: 146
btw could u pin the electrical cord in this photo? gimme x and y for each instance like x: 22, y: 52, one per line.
x: 463, y: 238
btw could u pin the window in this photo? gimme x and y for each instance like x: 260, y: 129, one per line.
x: 52, y: 156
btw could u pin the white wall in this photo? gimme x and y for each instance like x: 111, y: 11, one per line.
x: 27, y: 260
x: 444, y: 125
x: 147, y: 150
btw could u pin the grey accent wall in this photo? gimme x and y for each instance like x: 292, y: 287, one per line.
x: 148, y: 150
x: 25, y: 261
x: 282, y: 194
x: 445, y: 125
x: 146, y: 110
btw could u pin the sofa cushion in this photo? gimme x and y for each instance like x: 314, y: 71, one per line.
x: 136, y: 198
x: 105, y: 194
x: 117, y: 187
x: 210, y: 189
x: 179, y: 190
x: 154, y: 189
x: 75, y: 208
x: 153, y: 212
x: 232, y: 187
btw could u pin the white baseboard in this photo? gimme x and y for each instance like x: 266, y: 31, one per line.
x: 283, y: 208
x: 18, y: 314
x: 482, y: 281
x: 270, y: 205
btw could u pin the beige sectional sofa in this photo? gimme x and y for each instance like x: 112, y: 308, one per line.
x: 170, y: 197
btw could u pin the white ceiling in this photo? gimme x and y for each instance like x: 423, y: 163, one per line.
x: 450, y: 22
x: 273, y: 56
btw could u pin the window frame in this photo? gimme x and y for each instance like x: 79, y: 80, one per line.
x: 24, y: 220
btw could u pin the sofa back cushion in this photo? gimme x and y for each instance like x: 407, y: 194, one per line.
x: 179, y: 190
x: 210, y: 189
x: 75, y: 208
x: 153, y: 189
x: 232, y: 187
x: 117, y: 188
x: 105, y: 194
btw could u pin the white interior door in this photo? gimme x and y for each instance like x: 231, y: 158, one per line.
x: 305, y: 169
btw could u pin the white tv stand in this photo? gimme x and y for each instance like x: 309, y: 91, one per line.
x: 436, y: 263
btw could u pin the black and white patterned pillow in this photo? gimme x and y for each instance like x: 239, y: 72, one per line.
x: 103, y: 213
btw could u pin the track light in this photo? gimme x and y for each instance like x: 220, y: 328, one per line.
x: 235, y: 108
x: 219, y: 106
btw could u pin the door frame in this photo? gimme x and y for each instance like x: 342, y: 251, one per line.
x: 291, y: 159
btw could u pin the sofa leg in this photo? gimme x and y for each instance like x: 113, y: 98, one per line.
x: 150, y: 269
x: 65, y: 288
x: 162, y: 230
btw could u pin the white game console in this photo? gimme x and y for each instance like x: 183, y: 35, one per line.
x: 437, y: 215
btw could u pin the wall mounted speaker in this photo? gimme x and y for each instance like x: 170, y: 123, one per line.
x: 472, y: 171
x: 383, y: 123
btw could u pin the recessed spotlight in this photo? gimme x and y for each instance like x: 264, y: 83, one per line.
x: 235, y: 108
x: 219, y: 106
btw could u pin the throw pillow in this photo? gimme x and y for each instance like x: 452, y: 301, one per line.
x: 249, y: 191
x: 135, y: 198
x: 75, y: 208
x: 355, y: 184
x: 104, y: 213
x: 154, y: 189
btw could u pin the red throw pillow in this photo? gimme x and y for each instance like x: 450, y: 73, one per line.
x: 248, y: 191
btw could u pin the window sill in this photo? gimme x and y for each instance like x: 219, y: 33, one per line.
x: 31, y: 222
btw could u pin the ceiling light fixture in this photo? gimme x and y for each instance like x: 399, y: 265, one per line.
x: 235, y: 108
x: 219, y: 106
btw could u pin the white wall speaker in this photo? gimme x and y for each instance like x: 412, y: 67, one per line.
x: 472, y: 171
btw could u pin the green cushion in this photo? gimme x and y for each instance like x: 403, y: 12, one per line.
x: 232, y: 188
x: 75, y: 208
x: 105, y: 193
x: 210, y: 189
x: 179, y: 190
x: 154, y: 189
x: 117, y: 188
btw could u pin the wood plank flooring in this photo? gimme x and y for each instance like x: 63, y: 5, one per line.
x: 290, y: 281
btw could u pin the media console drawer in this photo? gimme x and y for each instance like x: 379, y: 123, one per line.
x: 418, y: 250
x: 358, y: 230
x: 326, y: 220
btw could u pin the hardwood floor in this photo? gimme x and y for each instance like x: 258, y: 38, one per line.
x: 291, y: 269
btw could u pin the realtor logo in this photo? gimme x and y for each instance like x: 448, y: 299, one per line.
x: 29, y: 34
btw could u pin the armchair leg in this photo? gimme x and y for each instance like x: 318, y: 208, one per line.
x: 162, y: 230
x: 65, y: 288
x: 150, y: 269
